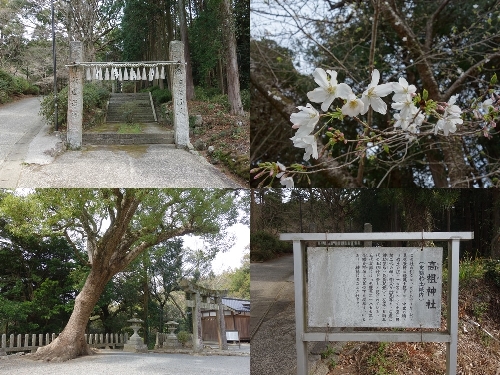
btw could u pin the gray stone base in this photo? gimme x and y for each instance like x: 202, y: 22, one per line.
x: 171, y: 343
x: 135, y: 348
x: 135, y: 345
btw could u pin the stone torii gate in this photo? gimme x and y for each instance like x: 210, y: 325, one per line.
x: 75, y: 91
x: 197, y: 298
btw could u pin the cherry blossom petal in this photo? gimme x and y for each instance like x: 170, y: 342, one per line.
x: 378, y: 105
x: 287, y: 182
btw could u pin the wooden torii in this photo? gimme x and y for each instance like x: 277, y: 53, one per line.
x: 198, y: 297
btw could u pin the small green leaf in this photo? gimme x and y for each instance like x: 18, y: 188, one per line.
x: 494, y: 79
x: 385, y: 147
x: 329, y: 134
x: 425, y: 94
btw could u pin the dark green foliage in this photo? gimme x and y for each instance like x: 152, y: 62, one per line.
x: 137, y: 25
x: 183, y: 337
x: 245, y: 99
x: 95, y: 97
x: 11, y: 86
x: 492, y: 273
x: 264, y: 246
x: 160, y: 96
x: 205, y: 38
x: 212, y: 95
x: 207, y: 46
x: 241, y: 14
x: 36, y: 292
x: 238, y: 281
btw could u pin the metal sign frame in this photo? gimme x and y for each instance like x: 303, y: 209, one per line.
x: 450, y: 336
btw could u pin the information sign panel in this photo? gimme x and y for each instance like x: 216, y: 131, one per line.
x: 374, y: 287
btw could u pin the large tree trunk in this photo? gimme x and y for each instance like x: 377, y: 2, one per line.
x: 187, y: 56
x: 233, y: 79
x: 71, y: 342
x: 453, y: 153
x: 458, y: 169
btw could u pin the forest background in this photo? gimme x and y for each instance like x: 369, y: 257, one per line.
x: 126, y: 30
x: 321, y: 210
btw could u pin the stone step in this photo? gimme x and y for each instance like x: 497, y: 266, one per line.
x: 120, y: 112
x: 142, y: 107
x: 136, y: 114
x: 139, y: 95
x: 119, y: 101
x: 127, y: 139
x: 121, y: 121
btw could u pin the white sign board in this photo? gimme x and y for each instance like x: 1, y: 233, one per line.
x: 374, y: 287
x: 232, y: 336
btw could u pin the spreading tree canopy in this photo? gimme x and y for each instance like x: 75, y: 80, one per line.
x: 107, y: 230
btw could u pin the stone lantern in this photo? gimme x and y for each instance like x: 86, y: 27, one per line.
x: 171, y: 326
x: 135, y: 343
x: 171, y: 341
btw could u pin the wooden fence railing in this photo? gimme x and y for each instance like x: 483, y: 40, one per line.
x: 27, y: 342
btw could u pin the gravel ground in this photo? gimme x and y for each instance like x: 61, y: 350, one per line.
x: 273, y: 321
x: 115, y: 362
x: 272, y: 317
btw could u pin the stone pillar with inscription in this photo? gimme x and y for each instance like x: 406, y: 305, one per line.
x: 75, y: 96
x: 197, y: 334
x: 178, y: 75
x: 221, y: 324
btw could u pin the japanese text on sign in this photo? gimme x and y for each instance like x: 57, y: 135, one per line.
x: 374, y: 287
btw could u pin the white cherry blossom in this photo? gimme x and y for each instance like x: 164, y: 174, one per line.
x: 306, y: 119
x: 451, y: 117
x: 447, y: 125
x: 328, y: 88
x: 287, y: 182
x: 373, y: 94
x: 282, y: 169
x: 308, y: 143
x: 485, y: 106
x: 402, y: 90
x: 406, y: 107
x: 353, y: 106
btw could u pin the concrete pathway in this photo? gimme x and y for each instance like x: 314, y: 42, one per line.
x: 28, y: 158
x: 19, y: 125
x: 113, y: 362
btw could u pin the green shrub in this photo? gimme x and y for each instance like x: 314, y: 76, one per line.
x: 204, y: 94
x: 11, y: 86
x: 245, y: 99
x: 128, y: 87
x: 222, y: 100
x: 161, y: 96
x: 95, y: 97
x: 33, y: 90
x: 183, y: 337
x: 265, y: 246
x: 492, y: 273
x: 129, y: 109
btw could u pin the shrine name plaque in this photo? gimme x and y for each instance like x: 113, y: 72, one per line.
x: 396, y: 287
